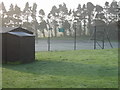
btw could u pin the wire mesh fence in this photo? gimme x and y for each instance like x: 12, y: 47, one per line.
x: 68, y: 43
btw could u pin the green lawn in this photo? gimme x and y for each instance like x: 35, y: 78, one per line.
x: 65, y: 69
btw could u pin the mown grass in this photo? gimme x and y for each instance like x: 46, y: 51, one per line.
x: 65, y: 69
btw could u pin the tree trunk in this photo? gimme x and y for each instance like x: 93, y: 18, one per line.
x: 89, y: 24
x: 55, y: 29
x: 43, y: 32
x: 64, y: 33
x: 70, y: 33
x: 84, y: 27
x: 52, y: 33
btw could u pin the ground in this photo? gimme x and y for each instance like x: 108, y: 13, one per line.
x: 65, y: 69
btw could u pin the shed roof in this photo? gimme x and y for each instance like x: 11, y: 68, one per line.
x: 16, y: 29
x: 21, y: 34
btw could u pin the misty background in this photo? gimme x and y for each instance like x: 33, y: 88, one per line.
x: 48, y: 23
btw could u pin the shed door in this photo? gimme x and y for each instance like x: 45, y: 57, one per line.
x: 27, y: 49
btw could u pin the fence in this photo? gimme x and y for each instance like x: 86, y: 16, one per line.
x: 69, y: 43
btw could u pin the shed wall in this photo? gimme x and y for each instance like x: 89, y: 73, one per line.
x: 27, y: 49
x: 13, y: 48
x: 4, y: 47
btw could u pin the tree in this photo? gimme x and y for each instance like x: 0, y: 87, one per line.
x: 100, y: 19
x: 66, y: 26
x: 78, y: 14
x: 112, y: 25
x: 114, y: 4
x: 41, y: 14
x: 106, y: 4
x: 53, y: 17
x: 63, y: 13
x: 17, y: 16
x: 83, y: 16
x: 33, y: 11
x: 26, y: 8
x: 106, y: 11
x: 64, y: 9
x: 27, y: 12
x: 98, y: 9
x: 112, y: 11
x: 10, y: 17
x: 2, y: 8
x: 70, y: 12
x: 90, y: 9
x: 3, y: 14
x: 55, y: 25
x: 54, y: 11
x: 34, y: 8
x: 34, y: 20
x: 27, y: 15
x: 11, y: 10
x: 27, y: 25
x: 100, y: 15
x: 79, y: 8
x: 49, y: 23
x: 113, y: 30
x: 42, y: 26
x: 35, y: 26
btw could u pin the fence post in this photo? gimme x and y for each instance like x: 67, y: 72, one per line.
x: 75, y: 38
x: 95, y: 38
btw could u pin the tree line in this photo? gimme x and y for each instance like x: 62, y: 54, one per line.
x: 83, y: 19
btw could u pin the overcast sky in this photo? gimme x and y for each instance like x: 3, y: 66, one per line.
x: 46, y: 5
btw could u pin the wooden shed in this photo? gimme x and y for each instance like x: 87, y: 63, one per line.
x: 18, y: 45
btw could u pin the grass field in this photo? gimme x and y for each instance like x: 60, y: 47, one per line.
x: 65, y: 69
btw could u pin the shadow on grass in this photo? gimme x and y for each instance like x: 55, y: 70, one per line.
x: 64, y: 68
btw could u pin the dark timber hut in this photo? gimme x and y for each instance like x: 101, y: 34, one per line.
x: 18, y: 45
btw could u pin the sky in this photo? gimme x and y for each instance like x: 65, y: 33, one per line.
x: 46, y: 5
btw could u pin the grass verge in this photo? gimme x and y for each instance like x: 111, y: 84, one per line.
x: 65, y: 69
